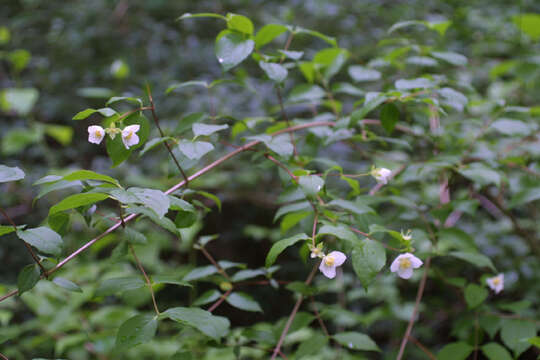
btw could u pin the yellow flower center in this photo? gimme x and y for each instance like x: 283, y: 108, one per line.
x: 98, y: 133
x: 496, y: 281
x: 329, y: 261
x: 129, y: 135
x: 404, y: 263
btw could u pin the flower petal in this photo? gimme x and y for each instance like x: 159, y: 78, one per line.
x: 395, y: 264
x: 405, y: 273
x: 328, y: 271
x: 130, y: 128
x: 339, y: 257
x: 415, y: 262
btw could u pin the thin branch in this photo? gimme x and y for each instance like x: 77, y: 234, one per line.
x: 293, y: 314
x: 214, y: 262
x: 173, y: 189
x: 372, y: 238
x: 128, y: 113
x: 423, y: 348
x: 219, y: 301
x: 419, y: 295
x: 3, y: 357
x: 315, y: 221
x: 318, y: 316
x: 28, y: 247
x: 166, y: 143
x: 148, y: 282
x: 278, y: 163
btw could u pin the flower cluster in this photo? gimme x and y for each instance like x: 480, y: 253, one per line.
x: 96, y: 134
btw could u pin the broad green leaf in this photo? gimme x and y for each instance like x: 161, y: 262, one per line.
x: 67, y: 284
x: 239, y: 23
x: 477, y: 260
x: 182, y: 355
x: 450, y: 57
x: 281, y: 245
x: 243, y: 302
x: 195, y: 150
x: 306, y: 93
x: 389, y: 117
x: 89, y: 175
x: 481, y: 174
x: 475, y: 295
x: 43, y: 239
x: 331, y: 60
x: 247, y: 274
x: 494, y: 351
x: 453, y: 98
x: 119, y: 285
x: 360, y: 73
x: 535, y: 341
x: 355, y: 208
x: 339, y: 231
x: 213, y: 326
x: 274, y: 71
x: 411, y: 84
x: 130, y: 99
x: 292, y: 219
x: 515, y: 333
x: 455, y: 351
x: 368, y: 258
x: 529, y: 24
x: 268, y: 33
x: 153, y: 199
x: 511, y: 127
x: 77, y: 200
x: 291, y: 208
x: 169, y: 279
x: 179, y: 204
x: 206, y: 130
x: 207, y: 297
x: 311, y: 346
x: 28, y: 278
x: 10, y: 174
x: 356, y: 341
x: 106, y: 112
x: 151, y: 144
x: 179, y: 85
x: 200, y: 273
x: 20, y: 101
x: 232, y: 49
x: 137, y: 330
x: 311, y: 184
x: 164, y: 221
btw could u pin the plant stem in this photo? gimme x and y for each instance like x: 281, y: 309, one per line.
x: 318, y: 316
x: 423, y: 348
x: 219, y: 301
x: 214, y: 262
x: 148, y: 282
x: 278, y: 163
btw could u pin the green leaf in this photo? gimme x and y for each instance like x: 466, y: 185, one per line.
x: 106, y: 112
x: 389, y: 117
x: 43, y: 239
x: 119, y: 285
x: 330, y: 40
x: 339, y: 231
x: 10, y: 174
x: 206, y: 130
x: 368, y: 258
x: 274, y: 71
x: 450, y: 57
x: 356, y: 341
x: 481, y: 174
x: 515, y: 333
x: 179, y: 85
x: 212, y: 197
x: 201, y: 15
x: 130, y: 99
x: 169, y: 279
x: 151, y: 144
x: 355, y: 208
x: 292, y: 219
x: 207, y: 297
x: 331, y: 60
x: 20, y: 101
x: 477, y: 260
x: 361, y: 73
x: 371, y: 102
x: 67, y: 284
x: 306, y: 93
x: 194, y: 150
x: 475, y: 295
x: 153, y: 199
x: 411, y: 84
x: 494, y: 351
x: 302, y: 288
x: 243, y: 302
x: 455, y: 351
x: 535, y: 341
x: 213, y: 326
x: 77, y: 200
x: 28, y: 278
x: 281, y: 245
x: 232, y: 49
x: 137, y: 330
x: 311, y: 346
x: 511, y: 127
x: 6, y: 229
x: 247, y: 274
x: 529, y: 24
x: 239, y: 23
x: 89, y: 175
x: 291, y: 208
x: 311, y: 185
x: 268, y: 33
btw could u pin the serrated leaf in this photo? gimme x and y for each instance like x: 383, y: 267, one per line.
x: 243, y: 302
x: 10, y: 174
x: 356, y: 341
x: 232, y: 49
x: 213, y: 326
x: 44, y: 239
x: 281, y: 245
x: 368, y: 258
x: 137, y: 330
x: 28, y: 278
x: 67, y: 284
x: 77, y: 200
x: 156, y: 200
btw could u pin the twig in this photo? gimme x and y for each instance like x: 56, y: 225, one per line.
x: 28, y: 247
x: 148, y: 282
x: 219, y: 301
x: 423, y: 348
x: 293, y: 314
x: 173, y: 189
x: 3, y: 357
x: 372, y: 238
x: 128, y: 113
x: 166, y: 143
x: 318, y: 316
x: 214, y: 262
x: 419, y: 295
x: 278, y: 163
x: 315, y: 221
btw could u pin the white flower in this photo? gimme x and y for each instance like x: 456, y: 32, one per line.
x: 317, y: 251
x: 330, y: 262
x: 95, y: 134
x: 129, y: 136
x: 382, y: 175
x: 404, y: 265
x: 407, y: 236
x: 496, y: 283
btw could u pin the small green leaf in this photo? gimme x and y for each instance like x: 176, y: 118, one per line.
x: 77, y: 200
x: 239, y: 23
x: 243, y: 302
x: 274, y: 71
x: 119, y: 284
x: 311, y: 184
x: 494, y: 351
x: 207, y: 297
x: 207, y: 130
x: 511, y: 127
x: 355, y: 208
x: 281, y: 245
x: 43, y: 239
x: 213, y: 326
x: 311, y: 346
x: 450, y: 57
x: 212, y: 197
x: 515, y: 333
x: 268, y: 33
x: 411, y: 84
x: 368, y: 258
x: 360, y: 73
x: 477, y: 260
x: 67, y: 284
x: 137, y: 330
x: 356, y: 341
x: 194, y: 150
x: 475, y: 295
x: 529, y: 24
x: 28, y: 278
x: 306, y: 93
x: 339, y: 231
x: 6, y: 229
x: 201, y: 15
x: 153, y: 199
x: 455, y: 351
x: 481, y: 174
x: 232, y: 49
x: 89, y: 175
x: 372, y: 100
x: 10, y: 174
x: 247, y: 274
x: 389, y: 117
